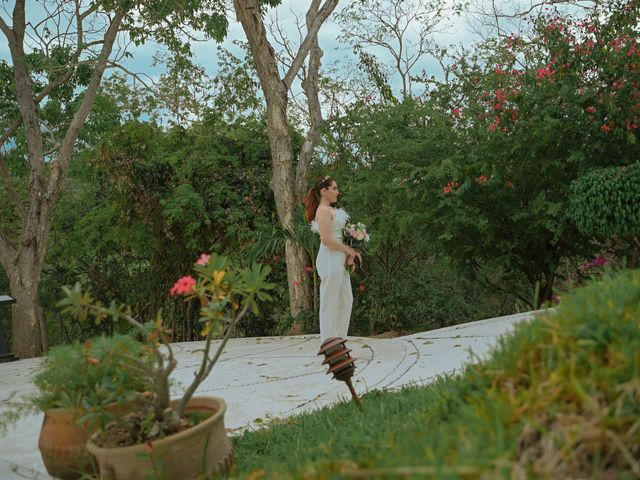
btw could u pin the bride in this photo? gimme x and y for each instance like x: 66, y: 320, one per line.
x: 336, y: 298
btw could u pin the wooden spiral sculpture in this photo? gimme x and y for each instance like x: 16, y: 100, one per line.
x: 340, y: 362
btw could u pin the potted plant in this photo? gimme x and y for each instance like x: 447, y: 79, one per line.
x: 81, y: 387
x: 184, y: 438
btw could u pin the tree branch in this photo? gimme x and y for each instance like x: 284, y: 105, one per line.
x: 312, y: 34
x: 26, y: 102
x: 59, y: 166
x: 310, y: 87
x: 8, y: 32
x: 208, y: 363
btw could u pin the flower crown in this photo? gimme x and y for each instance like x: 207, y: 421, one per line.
x: 321, y: 183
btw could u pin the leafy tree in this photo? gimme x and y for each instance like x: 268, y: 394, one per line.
x: 530, y: 118
x: 57, y: 65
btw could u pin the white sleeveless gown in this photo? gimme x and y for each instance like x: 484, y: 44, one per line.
x: 336, y: 298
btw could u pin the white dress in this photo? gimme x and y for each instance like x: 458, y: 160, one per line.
x: 336, y: 298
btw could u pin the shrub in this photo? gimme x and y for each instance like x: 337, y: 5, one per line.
x: 606, y: 202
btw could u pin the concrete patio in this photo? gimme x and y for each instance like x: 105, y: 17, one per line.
x: 273, y: 377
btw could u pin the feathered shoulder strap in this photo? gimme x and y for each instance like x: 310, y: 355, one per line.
x: 341, y: 215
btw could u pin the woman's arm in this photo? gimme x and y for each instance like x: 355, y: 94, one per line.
x: 323, y: 217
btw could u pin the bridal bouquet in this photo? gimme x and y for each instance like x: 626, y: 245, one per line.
x: 355, y: 234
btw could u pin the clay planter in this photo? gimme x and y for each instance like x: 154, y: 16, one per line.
x: 201, y: 449
x: 62, y: 442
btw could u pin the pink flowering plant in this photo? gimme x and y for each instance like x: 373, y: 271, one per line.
x: 225, y: 294
x: 355, y: 234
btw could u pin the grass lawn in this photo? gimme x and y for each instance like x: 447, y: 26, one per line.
x: 558, y: 399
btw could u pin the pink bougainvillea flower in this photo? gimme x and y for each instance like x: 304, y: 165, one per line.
x: 482, y: 179
x: 204, y: 259
x: 308, y: 268
x: 296, y: 283
x: 599, y: 262
x: 183, y: 286
x: 591, y: 109
x: 447, y: 189
x: 605, y: 128
x: 492, y: 127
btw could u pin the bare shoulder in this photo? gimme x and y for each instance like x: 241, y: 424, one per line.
x: 324, y: 214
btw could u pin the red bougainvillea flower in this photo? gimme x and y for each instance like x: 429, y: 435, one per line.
x: 183, y: 286
x: 605, y: 128
x: 545, y: 72
x: 482, y: 179
x: 308, y: 268
x: 449, y: 187
x: 361, y: 287
x: 591, y: 109
x: 204, y: 259
x: 296, y: 283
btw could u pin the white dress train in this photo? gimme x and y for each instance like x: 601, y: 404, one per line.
x: 336, y: 298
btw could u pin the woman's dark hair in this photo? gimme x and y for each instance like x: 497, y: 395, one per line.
x: 312, y: 198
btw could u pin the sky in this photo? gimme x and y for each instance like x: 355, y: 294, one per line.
x: 205, y: 52
x: 334, y: 50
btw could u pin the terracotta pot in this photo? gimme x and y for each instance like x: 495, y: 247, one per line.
x: 62, y: 442
x: 202, y: 449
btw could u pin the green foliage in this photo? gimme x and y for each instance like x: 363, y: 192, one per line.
x: 88, y: 377
x: 487, y: 159
x: 149, y: 204
x: 410, y: 281
x: 557, y: 399
x: 606, y: 202
x: 92, y: 374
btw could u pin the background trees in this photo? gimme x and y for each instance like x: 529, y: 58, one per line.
x: 59, y: 54
x: 481, y: 193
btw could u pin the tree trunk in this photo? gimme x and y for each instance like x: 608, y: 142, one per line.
x: 283, y: 191
x: 26, y: 313
x: 23, y: 259
x: 275, y: 89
